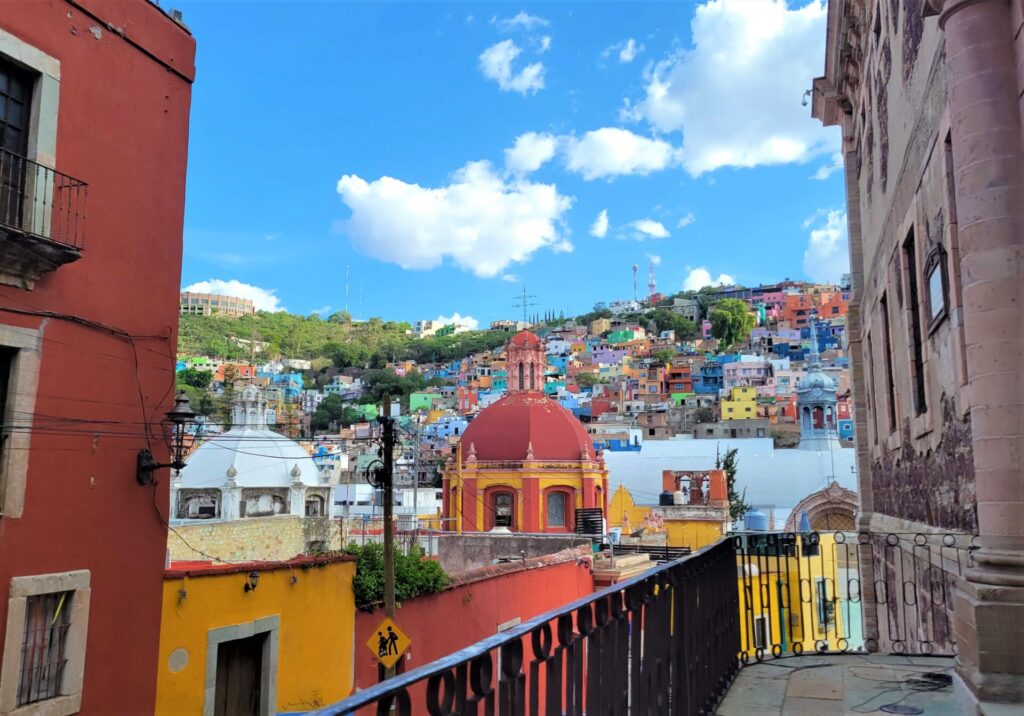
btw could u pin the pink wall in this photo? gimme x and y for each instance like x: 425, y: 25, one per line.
x: 442, y: 623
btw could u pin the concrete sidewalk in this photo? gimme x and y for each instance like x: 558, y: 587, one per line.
x: 840, y: 685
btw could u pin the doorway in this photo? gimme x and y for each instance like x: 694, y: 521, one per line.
x: 240, y: 676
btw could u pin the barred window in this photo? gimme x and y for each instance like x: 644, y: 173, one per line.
x: 47, y: 621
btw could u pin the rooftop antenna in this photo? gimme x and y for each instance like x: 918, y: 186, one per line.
x: 652, y: 285
x: 523, y: 301
x: 636, y: 267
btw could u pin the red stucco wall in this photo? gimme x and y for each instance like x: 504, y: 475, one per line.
x: 123, y: 129
x: 442, y: 623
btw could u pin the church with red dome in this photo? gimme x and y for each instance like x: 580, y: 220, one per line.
x: 525, y: 464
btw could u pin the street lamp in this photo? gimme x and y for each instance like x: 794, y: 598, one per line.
x: 178, y: 419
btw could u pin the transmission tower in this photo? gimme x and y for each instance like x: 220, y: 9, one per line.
x: 636, y: 267
x: 523, y: 301
x: 652, y: 285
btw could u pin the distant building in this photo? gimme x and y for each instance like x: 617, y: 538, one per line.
x: 687, y: 308
x: 748, y: 428
x: 741, y: 404
x: 208, y: 304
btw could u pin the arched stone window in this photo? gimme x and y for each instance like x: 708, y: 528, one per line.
x: 522, y: 376
x: 503, y: 509
x: 533, y: 383
x: 818, y: 420
x: 315, y: 506
x: 555, y: 509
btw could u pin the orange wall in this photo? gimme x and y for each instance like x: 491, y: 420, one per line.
x: 442, y: 623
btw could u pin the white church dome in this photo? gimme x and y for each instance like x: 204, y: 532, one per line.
x: 250, y: 454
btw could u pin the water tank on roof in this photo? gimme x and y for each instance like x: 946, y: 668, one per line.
x: 678, y: 497
x: 666, y: 499
x: 755, y: 521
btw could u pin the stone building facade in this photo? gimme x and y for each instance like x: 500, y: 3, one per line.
x: 927, y: 94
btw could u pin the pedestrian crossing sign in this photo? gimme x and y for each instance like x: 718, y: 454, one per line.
x: 388, y: 642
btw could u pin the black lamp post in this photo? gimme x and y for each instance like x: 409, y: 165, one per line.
x: 178, y: 419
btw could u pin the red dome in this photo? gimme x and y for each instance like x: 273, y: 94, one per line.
x: 525, y: 339
x: 506, y: 429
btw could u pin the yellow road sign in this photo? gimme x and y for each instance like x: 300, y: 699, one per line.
x: 388, y: 642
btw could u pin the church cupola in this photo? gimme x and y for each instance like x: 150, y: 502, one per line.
x: 525, y: 359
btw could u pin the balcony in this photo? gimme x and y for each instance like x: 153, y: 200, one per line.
x: 42, y: 220
x: 758, y: 623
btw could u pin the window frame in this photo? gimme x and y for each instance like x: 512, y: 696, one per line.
x: 937, y: 260
x: 567, y: 498
x: 20, y: 408
x: 70, y: 699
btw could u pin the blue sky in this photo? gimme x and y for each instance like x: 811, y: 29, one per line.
x: 442, y: 155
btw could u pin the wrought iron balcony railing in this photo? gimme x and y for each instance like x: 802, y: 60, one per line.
x: 660, y: 643
x: 41, y: 202
x: 670, y: 641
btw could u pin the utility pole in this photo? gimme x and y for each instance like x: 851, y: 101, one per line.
x: 523, y: 301
x: 388, y: 435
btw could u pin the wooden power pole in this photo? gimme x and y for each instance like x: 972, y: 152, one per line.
x: 388, y: 435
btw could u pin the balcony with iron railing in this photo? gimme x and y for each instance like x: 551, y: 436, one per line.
x: 42, y: 219
x: 683, y: 636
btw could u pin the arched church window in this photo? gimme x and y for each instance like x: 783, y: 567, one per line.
x: 555, y: 509
x: 533, y: 385
x: 806, y: 418
x: 502, y: 503
x: 315, y: 506
x: 818, y: 420
x: 522, y: 376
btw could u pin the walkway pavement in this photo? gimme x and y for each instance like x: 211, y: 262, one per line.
x: 842, y: 685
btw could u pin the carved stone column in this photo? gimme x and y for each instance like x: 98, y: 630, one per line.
x: 981, y: 63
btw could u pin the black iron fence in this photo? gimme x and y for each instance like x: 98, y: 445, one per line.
x: 41, y: 201
x: 660, y: 643
x: 848, y: 591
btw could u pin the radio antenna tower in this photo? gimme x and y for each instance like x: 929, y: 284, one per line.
x: 346, y: 288
x: 636, y: 267
x: 652, y: 285
x: 523, y: 301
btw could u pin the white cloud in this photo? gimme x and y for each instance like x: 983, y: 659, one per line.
x: 263, y: 299
x: 611, y: 151
x: 700, y: 277
x: 496, y: 64
x: 827, y: 256
x: 479, y: 221
x: 510, y: 277
x: 467, y: 321
x: 654, y: 259
x: 530, y: 152
x: 627, y: 50
x: 648, y: 229
x: 545, y: 44
x: 686, y: 221
x: 735, y: 95
x: 827, y: 170
x: 520, y: 20
x: 600, y: 226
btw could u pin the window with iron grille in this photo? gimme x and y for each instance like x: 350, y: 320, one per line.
x: 43, y: 658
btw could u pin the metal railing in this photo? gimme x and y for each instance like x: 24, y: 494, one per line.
x: 41, y: 201
x: 663, y: 642
x: 833, y: 592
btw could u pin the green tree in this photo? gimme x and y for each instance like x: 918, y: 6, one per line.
x: 663, y: 355
x: 414, y: 575
x: 196, y: 378
x: 666, y: 320
x: 705, y: 414
x: 588, y: 380
x: 731, y: 322
x: 737, y: 504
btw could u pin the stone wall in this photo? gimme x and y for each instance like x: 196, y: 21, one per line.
x: 459, y: 553
x: 252, y: 539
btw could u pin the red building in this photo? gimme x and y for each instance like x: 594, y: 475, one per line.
x: 93, y: 146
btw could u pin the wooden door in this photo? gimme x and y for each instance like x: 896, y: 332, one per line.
x: 239, y: 677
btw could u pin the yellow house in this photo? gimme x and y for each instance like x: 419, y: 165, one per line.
x: 700, y: 520
x: 741, y: 404
x: 281, y: 633
x: 794, y: 595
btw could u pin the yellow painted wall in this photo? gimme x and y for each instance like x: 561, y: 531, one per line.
x: 741, y: 404
x: 315, y: 639
x: 678, y: 533
x: 760, y: 588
